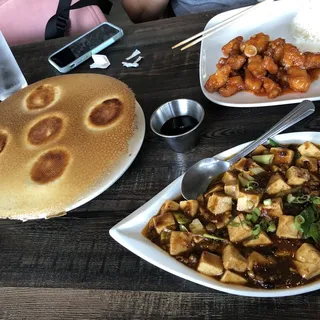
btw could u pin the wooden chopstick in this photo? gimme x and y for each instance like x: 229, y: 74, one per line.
x: 207, y: 33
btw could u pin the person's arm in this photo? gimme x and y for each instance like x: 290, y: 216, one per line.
x: 144, y: 10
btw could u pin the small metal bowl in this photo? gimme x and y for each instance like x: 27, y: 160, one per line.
x: 182, y: 107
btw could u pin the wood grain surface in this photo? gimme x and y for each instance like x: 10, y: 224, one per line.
x: 69, y: 267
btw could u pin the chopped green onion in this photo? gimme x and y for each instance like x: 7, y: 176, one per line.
x: 181, y: 218
x: 183, y: 228
x: 247, y: 176
x: 264, y: 158
x: 267, y: 202
x: 210, y: 236
x: 264, y: 224
x: 271, y: 227
x: 257, y: 212
x: 234, y: 224
x: 290, y: 198
x: 250, y: 204
x: 249, y: 216
x: 273, y: 143
x: 165, y: 235
x: 248, y: 223
x: 244, y: 179
x: 256, y: 230
x: 298, y: 222
x: 315, y: 200
x: 252, y: 185
x: 299, y: 199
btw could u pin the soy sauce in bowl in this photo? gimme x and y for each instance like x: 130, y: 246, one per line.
x: 178, y: 125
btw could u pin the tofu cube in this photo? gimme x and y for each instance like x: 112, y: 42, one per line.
x: 239, y: 230
x: 231, y: 188
x: 308, y: 163
x: 261, y: 240
x: 308, y: 149
x: 190, y: 207
x: 282, y: 155
x: 248, y: 166
x: 260, y: 150
x: 219, y: 203
x: 170, y: 205
x: 210, y: 264
x: 275, y: 209
x: 297, y: 176
x: 256, y: 258
x: 231, y: 277
x: 232, y: 259
x: 228, y: 177
x: 223, y: 219
x: 163, y: 221
x: 308, y: 253
x: 286, y: 228
x: 307, y: 270
x: 180, y: 242
x: 197, y: 227
x: 247, y: 202
x: 215, y: 189
x: 277, y: 184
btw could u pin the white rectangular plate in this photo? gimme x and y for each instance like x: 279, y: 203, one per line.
x: 128, y: 234
x: 275, y: 20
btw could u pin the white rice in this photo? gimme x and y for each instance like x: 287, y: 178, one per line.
x: 306, y: 26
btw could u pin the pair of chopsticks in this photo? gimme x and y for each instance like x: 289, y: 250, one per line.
x: 207, y: 33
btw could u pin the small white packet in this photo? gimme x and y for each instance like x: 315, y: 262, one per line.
x: 130, y: 64
x: 134, y: 54
x: 100, y: 61
x: 134, y: 64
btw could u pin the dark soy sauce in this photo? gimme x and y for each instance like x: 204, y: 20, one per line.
x: 178, y: 125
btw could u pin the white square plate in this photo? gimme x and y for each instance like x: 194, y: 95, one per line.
x: 275, y: 20
x: 128, y: 234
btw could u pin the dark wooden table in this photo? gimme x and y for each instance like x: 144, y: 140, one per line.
x: 69, y: 267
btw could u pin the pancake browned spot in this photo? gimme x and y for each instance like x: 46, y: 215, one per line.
x: 50, y: 166
x: 105, y: 113
x: 41, y: 97
x: 3, y: 141
x: 45, y: 130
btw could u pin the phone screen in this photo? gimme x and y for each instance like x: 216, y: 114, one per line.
x: 84, y: 45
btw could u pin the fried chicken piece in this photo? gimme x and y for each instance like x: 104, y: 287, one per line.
x: 298, y: 79
x: 256, y: 66
x: 251, y: 82
x: 232, y: 46
x: 270, y: 65
x: 273, y: 90
x: 236, y: 61
x: 311, y: 60
x: 292, y: 57
x: 233, y: 85
x: 260, y: 41
x: 218, y: 79
x: 275, y: 49
x: 222, y: 62
x: 282, y: 77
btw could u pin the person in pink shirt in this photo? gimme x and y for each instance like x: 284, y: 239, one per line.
x: 146, y: 10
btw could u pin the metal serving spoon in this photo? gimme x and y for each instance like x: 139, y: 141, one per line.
x: 198, y: 177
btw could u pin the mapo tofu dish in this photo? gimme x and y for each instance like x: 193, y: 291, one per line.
x: 264, y: 67
x: 258, y: 224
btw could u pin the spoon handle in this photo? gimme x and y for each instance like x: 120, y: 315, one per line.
x: 304, y: 109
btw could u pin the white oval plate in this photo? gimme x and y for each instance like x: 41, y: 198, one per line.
x: 124, y: 162
x: 128, y: 234
x: 274, y: 20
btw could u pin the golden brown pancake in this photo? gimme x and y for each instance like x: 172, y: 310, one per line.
x: 58, y: 138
